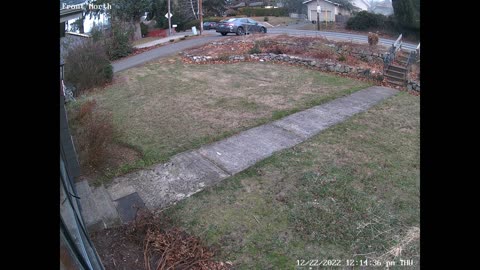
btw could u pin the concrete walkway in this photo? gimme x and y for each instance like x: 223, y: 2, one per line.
x: 192, y: 171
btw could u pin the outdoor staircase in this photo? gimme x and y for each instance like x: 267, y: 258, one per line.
x: 396, y: 72
x: 397, y: 63
x: 98, y: 210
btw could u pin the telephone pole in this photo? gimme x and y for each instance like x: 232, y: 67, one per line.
x: 169, y: 20
x: 201, y: 15
x: 318, y: 15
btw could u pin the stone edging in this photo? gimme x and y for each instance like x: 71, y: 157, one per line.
x: 267, y: 57
x: 326, y: 65
x: 413, y: 86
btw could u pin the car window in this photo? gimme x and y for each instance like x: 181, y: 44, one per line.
x: 244, y: 20
x: 251, y: 21
x: 230, y: 20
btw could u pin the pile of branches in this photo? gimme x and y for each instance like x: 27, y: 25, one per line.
x: 173, y: 248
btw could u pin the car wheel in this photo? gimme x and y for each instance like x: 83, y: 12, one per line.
x: 240, y: 31
x: 263, y: 30
x: 224, y: 33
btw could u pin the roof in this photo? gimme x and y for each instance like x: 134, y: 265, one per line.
x: 308, y: 1
x: 70, y: 14
x: 71, y: 2
x: 64, y: 3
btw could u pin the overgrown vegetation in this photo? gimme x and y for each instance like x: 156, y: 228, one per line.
x: 255, y: 11
x: 372, y: 39
x: 315, y: 48
x: 118, y: 43
x: 405, y: 20
x: 92, y: 131
x: 144, y: 29
x: 255, y: 49
x: 365, y: 20
x: 88, y: 66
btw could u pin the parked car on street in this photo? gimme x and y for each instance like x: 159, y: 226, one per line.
x: 209, y: 25
x: 240, y: 26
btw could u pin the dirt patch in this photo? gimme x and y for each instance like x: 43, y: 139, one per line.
x: 151, y: 242
x: 315, y: 48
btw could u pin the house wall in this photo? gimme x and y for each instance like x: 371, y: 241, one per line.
x: 327, y: 9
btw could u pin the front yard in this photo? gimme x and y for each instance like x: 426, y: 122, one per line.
x: 349, y: 193
x: 168, y: 106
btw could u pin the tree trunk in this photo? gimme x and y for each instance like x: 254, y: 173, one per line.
x: 193, y: 10
x: 138, y: 31
x: 80, y: 25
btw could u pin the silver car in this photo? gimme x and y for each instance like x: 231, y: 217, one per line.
x: 240, y: 26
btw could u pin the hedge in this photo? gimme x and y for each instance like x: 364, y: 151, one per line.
x: 254, y: 11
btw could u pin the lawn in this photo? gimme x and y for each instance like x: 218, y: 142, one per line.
x: 351, y: 192
x: 167, y: 106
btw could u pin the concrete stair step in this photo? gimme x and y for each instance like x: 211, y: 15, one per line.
x: 98, y: 210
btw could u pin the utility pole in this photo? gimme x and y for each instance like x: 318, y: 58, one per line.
x: 326, y: 11
x: 201, y: 15
x: 169, y: 20
x: 318, y: 15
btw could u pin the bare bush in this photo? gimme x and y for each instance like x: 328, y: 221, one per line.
x: 93, y: 132
x: 372, y: 39
x: 87, y: 66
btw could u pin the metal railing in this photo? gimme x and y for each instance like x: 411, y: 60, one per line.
x: 417, y: 50
x: 413, y: 56
x: 390, y: 55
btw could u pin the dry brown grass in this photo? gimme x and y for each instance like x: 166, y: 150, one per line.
x: 168, y: 106
x: 412, y: 235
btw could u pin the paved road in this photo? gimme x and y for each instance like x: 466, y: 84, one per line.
x: 163, y: 51
x: 336, y: 35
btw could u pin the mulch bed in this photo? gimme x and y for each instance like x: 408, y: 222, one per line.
x: 152, y: 243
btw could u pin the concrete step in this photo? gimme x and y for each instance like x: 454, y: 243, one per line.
x: 98, y: 210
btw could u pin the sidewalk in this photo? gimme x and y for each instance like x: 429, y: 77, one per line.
x: 174, y: 36
x: 189, y: 172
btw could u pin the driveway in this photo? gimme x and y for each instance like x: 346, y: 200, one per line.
x: 163, y: 51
